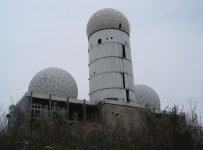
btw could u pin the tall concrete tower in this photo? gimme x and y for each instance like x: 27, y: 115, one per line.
x: 110, y: 64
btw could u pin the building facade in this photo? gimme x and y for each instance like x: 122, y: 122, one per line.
x: 112, y: 93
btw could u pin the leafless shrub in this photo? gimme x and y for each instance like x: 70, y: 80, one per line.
x: 170, y: 131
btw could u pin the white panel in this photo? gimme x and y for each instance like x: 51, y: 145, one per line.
x: 108, y: 81
x: 96, y: 80
x: 123, y: 94
x: 128, y: 67
x: 106, y: 65
x: 92, y: 85
x: 129, y: 83
x: 117, y: 67
x: 120, y: 50
x: 128, y: 55
x: 100, y: 82
x: 124, y: 64
x: 132, y: 95
x: 90, y: 71
x: 108, y: 49
x: 116, y: 51
x: 105, y: 49
x: 109, y: 93
x: 119, y: 80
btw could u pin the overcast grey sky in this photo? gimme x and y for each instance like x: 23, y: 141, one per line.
x: 166, y: 44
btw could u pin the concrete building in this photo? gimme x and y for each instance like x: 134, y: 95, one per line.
x: 110, y: 63
x: 113, y: 95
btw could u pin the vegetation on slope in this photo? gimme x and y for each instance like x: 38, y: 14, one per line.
x: 168, y: 132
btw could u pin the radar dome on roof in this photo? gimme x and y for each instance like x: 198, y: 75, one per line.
x: 54, y: 81
x: 147, y: 97
x: 107, y: 18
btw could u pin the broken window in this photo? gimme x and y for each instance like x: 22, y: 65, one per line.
x: 99, y: 41
x: 123, y: 77
x: 119, y: 25
x: 127, y: 96
x: 112, y: 98
x: 123, y: 51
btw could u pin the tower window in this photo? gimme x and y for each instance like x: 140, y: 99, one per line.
x: 123, y: 77
x: 111, y: 37
x: 123, y: 51
x: 127, y: 96
x: 99, y: 41
x: 119, y: 25
x: 112, y: 98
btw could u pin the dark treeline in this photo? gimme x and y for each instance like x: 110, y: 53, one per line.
x: 164, y: 132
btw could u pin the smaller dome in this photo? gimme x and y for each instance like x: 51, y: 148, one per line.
x: 54, y: 81
x: 147, y: 97
x: 107, y: 18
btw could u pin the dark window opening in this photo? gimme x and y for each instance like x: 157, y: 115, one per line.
x: 112, y: 98
x: 99, y: 41
x: 111, y: 37
x: 127, y: 96
x: 107, y: 38
x: 123, y: 77
x: 91, y: 45
x: 119, y: 25
x: 123, y: 49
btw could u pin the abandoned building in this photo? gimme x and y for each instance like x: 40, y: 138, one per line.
x: 112, y: 91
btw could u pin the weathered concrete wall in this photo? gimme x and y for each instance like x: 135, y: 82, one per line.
x: 127, y: 116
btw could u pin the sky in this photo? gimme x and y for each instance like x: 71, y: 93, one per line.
x: 166, y: 45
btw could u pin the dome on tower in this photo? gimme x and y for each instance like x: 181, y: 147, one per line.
x: 54, y: 81
x: 107, y: 18
x: 147, y: 97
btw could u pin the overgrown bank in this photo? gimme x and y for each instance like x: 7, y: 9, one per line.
x: 168, y: 132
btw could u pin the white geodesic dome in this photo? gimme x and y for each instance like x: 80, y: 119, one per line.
x: 147, y: 97
x: 54, y: 81
x: 107, y: 18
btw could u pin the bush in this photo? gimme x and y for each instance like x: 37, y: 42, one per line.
x: 169, y: 132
